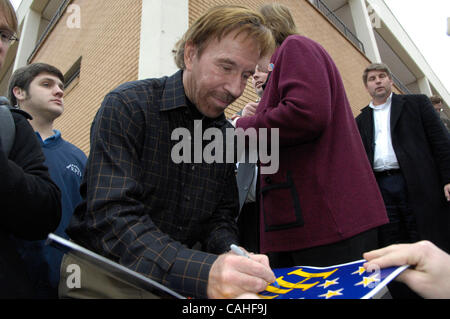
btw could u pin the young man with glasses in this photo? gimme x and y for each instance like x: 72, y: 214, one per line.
x: 7, y: 37
x: 8, y: 27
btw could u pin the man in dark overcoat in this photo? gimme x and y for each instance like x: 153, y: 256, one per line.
x: 409, y: 150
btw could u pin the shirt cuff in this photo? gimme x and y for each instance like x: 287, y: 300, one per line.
x: 190, y: 273
x: 234, y: 120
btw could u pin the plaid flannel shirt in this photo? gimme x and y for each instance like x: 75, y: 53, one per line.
x: 140, y: 208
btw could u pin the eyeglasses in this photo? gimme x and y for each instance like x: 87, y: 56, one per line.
x: 7, y: 36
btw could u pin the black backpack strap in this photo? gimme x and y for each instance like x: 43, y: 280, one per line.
x: 7, y: 128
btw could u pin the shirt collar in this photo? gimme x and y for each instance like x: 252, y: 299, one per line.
x: 381, y: 106
x: 50, y: 139
x: 174, y: 97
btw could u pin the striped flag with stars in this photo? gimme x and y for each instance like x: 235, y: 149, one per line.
x: 346, y: 281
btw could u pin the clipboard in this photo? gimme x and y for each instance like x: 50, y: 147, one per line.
x: 112, y: 268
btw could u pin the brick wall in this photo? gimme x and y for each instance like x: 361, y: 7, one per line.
x: 108, y: 42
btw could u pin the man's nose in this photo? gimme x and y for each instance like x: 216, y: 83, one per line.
x: 235, y: 86
x: 58, y: 91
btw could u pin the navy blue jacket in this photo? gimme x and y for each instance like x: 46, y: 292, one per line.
x: 66, y: 164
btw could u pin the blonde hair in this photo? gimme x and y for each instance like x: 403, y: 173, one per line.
x: 10, y: 15
x: 219, y: 22
x: 279, y: 20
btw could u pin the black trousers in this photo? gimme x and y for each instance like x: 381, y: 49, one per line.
x: 402, y: 227
x: 248, y: 225
x: 341, y: 252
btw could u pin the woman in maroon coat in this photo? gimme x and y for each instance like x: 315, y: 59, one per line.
x: 323, y: 205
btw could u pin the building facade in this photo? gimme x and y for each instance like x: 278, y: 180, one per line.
x: 103, y: 43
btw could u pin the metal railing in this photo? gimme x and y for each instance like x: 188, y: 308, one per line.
x: 339, y: 24
x: 400, y: 85
x: 353, y: 38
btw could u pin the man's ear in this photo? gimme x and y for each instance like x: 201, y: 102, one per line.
x: 190, y: 53
x: 19, y: 93
x: 391, y: 80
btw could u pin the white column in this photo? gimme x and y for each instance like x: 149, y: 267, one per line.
x: 163, y: 23
x: 424, y: 86
x: 364, y: 30
x: 448, y: 26
x: 28, y: 38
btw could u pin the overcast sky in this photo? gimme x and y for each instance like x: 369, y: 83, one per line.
x: 426, y: 24
x: 15, y: 3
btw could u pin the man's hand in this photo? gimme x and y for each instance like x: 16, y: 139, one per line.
x: 429, y: 272
x: 232, y: 275
x: 250, y: 109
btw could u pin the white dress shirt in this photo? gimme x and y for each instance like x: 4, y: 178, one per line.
x: 384, y: 155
